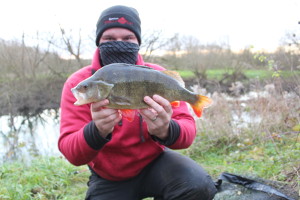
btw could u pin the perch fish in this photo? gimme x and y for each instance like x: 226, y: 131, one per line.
x: 126, y: 85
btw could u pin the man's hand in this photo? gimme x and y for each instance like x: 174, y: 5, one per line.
x: 158, y: 116
x: 104, y: 118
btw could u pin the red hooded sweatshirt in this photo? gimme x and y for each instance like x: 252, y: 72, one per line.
x: 129, y: 148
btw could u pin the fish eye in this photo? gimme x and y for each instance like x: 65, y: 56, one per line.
x: 83, y: 87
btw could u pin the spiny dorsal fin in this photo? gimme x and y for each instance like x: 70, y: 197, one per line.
x: 145, y: 67
x: 174, y: 75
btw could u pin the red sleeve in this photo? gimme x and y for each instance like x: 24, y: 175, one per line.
x: 185, y: 120
x: 71, y: 142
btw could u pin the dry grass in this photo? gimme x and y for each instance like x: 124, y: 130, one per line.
x: 257, y: 133
x: 257, y: 115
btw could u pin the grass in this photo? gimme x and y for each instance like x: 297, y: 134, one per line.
x: 44, y: 178
x: 246, y: 157
x: 54, y: 178
x: 217, y: 74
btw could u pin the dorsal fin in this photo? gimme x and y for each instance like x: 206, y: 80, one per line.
x: 174, y: 75
x: 142, y: 66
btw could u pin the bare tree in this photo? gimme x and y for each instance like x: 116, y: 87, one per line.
x: 28, y: 85
x: 152, y: 42
x: 35, y: 55
x: 69, y: 43
x: 289, y: 54
x: 22, y: 61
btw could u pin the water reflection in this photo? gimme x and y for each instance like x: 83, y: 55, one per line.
x: 24, y: 138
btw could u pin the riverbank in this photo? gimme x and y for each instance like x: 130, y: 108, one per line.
x: 255, y: 134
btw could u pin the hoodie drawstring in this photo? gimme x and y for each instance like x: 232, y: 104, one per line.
x: 141, y: 129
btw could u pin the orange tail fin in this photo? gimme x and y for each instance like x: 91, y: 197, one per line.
x: 201, y: 103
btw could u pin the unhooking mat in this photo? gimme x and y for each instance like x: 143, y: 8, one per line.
x: 234, y: 187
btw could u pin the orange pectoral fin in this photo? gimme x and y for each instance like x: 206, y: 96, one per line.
x: 202, y: 102
x: 128, y: 114
x: 175, y: 104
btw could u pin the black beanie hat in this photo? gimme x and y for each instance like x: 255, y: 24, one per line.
x: 119, y: 16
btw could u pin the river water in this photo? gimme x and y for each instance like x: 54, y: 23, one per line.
x: 29, y: 138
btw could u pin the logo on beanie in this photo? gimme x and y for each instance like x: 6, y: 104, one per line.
x: 121, y: 20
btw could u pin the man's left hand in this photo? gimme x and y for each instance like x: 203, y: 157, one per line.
x: 158, y: 116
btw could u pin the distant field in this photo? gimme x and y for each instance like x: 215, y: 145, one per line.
x: 218, y: 73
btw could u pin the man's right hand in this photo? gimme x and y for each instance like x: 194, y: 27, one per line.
x: 104, y: 118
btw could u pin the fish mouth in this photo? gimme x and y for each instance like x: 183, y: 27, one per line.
x: 78, y: 103
x: 80, y: 97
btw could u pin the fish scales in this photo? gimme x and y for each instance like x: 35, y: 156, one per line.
x: 125, y: 86
x: 132, y: 83
x: 135, y: 82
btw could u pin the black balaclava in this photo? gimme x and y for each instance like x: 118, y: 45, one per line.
x: 118, y: 52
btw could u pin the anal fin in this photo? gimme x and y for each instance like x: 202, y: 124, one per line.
x: 128, y: 114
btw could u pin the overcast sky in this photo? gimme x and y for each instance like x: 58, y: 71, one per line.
x: 239, y: 23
